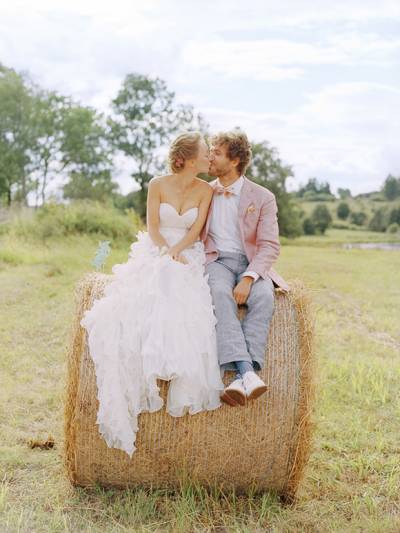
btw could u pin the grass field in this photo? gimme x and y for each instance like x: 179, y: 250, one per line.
x: 352, y: 482
x: 336, y: 238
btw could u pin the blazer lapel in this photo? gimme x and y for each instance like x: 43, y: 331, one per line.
x: 245, y: 198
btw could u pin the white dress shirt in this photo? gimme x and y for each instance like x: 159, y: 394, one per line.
x: 224, y: 224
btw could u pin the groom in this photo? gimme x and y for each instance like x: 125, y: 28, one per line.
x: 241, y: 239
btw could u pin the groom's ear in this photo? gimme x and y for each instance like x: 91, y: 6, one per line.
x: 235, y: 162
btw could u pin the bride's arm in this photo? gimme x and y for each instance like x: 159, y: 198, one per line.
x: 153, y: 213
x: 193, y: 234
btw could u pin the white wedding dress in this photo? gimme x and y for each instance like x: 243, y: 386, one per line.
x: 155, y: 320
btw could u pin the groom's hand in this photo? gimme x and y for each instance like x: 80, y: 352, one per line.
x: 242, y: 290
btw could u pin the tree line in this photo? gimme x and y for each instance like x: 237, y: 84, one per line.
x: 46, y: 136
x: 316, y: 191
x: 384, y: 218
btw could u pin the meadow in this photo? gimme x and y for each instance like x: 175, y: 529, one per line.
x: 352, y: 481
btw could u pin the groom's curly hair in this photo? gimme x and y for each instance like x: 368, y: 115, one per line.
x: 237, y: 145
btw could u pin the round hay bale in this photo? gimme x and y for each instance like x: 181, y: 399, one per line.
x: 261, y: 446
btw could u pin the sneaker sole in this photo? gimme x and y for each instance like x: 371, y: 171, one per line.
x: 257, y: 392
x: 233, y: 398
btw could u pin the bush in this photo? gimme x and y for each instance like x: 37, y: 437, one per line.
x: 391, y: 188
x: 308, y: 227
x: 358, y: 218
x: 343, y: 210
x: 80, y: 217
x: 378, y: 221
x: 341, y: 225
x: 321, y: 218
x: 289, y: 219
x: 377, y: 197
x: 311, y: 196
x: 393, y: 228
x: 394, y: 216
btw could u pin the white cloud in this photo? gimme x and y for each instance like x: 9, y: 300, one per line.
x: 280, y: 59
x: 344, y: 134
x: 227, y: 15
x: 83, y: 51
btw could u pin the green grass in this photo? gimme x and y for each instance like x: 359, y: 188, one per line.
x: 353, y: 478
x: 338, y: 237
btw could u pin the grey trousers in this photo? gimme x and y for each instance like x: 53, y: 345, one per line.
x: 236, y: 340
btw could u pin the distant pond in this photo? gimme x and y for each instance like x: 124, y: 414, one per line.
x: 372, y: 245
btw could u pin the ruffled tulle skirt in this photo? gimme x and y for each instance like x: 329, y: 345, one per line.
x: 155, y: 321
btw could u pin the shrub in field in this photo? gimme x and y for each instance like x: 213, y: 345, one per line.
x: 80, y: 217
x: 341, y: 225
x: 379, y: 220
x: 393, y: 228
x: 318, y: 197
x: 321, y: 218
x: 308, y: 227
x: 343, y: 210
x: 358, y: 218
x: 394, y: 216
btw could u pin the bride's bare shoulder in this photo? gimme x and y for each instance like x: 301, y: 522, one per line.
x: 204, y: 187
x: 159, y: 181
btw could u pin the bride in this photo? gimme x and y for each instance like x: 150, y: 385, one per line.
x: 156, y: 320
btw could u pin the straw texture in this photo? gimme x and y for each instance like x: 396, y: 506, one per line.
x: 262, y: 446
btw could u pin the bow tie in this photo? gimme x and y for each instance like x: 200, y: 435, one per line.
x: 226, y: 191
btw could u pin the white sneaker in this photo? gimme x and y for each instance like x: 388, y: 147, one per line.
x: 253, y: 385
x: 234, y: 394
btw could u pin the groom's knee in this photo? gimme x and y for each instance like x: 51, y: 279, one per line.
x: 262, y: 294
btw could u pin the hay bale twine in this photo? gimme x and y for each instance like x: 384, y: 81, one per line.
x: 262, y: 446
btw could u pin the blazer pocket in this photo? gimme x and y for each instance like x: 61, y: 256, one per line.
x: 252, y: 211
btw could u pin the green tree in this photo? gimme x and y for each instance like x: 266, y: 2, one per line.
x: 86, y: 143
x: 358, y: 218
x: 321, y: 218
x: 268, y: 170
x: 344, y: 193
x: 394, y: 216
x: 44, y: 135
x: 309, y: 227
x: 87, y: 155
x: 393, y: 228
x: 47, y: 121
x: 17, y: 137
x: 379, y: 220
x: 343, y: 210
x: 391, y: 187
x: 314, y: 187
x: 144, y: 119
x: 98, y: 187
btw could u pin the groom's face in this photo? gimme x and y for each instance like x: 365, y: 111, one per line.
x: 220, y: 164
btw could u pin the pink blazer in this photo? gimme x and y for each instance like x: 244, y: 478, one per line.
x: 259, y: 230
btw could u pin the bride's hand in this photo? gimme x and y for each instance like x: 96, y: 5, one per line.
x: 176, y: 255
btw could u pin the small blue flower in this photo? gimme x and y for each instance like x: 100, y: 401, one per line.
x: 101, y: 255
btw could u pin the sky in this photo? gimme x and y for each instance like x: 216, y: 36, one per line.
x: 318, y: 80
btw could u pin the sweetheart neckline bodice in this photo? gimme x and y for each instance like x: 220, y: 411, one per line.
x: 179, y: 215
x: 171, y: 220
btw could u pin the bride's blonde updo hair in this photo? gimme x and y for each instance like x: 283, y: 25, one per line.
x: 185, y: 146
